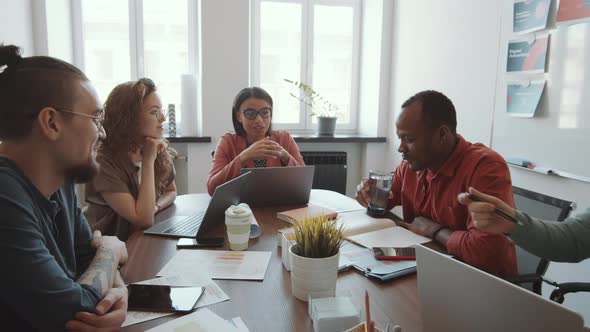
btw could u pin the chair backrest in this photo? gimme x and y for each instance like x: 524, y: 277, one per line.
x: 539, y: 206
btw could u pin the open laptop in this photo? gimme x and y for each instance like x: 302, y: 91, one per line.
x: 224, y: 196
x: 272, y: 186
x: 457, y: 297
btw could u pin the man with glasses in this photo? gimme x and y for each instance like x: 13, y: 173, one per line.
x: 57, y: 274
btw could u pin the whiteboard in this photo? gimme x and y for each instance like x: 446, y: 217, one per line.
x: 558, y: 136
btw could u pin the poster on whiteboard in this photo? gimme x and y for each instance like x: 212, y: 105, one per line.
x: 522, y: 100
x: 573, y: 11
x: 527, y: 56
x: 530, y: 15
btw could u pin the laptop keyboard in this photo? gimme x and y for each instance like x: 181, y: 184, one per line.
x: 188, y: 226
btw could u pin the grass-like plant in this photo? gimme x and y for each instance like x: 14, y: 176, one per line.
x: 320, y: 107
x: 317, y: 237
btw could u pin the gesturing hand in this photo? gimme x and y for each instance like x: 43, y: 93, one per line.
x: 483, y: 213
x: 262, y: 149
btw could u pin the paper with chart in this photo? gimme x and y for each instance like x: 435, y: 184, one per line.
x: 212, y: 294
x: 202, y: 320
x: 221, y: 264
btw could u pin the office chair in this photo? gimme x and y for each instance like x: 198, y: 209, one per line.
x: 531, y: 268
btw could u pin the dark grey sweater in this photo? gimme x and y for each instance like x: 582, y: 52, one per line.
x: 44, y: 248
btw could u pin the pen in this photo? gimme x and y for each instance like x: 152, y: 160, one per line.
x: 498, y: 211
x: 368, y: 313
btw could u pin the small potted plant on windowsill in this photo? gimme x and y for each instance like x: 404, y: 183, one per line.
x: 314, y: 257
x: 320, y: 107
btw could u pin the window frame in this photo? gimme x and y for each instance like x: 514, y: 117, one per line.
x: 136, y: 37
x: 305, y: 124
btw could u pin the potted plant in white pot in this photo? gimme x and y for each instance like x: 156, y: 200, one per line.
x: 321, y: 108
x: 314, y: 257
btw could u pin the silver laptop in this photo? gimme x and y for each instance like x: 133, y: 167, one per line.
x: 224, y: 196
x: 272, y: 186
x: 457, y: 297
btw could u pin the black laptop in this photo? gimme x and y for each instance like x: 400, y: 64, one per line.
x: 224, y: 196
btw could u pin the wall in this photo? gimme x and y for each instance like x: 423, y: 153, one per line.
x: 16, y: 25
x: 453, y: 46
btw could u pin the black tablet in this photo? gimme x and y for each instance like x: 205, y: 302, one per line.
x: 163, y: 298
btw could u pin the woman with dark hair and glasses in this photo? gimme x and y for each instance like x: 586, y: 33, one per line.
x: 136, y: 177
x: 254, y: 143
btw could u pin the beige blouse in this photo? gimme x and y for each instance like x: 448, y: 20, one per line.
x: 115, y: 176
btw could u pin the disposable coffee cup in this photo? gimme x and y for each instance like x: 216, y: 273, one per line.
x: 237, y: 222
x: 379, y: 188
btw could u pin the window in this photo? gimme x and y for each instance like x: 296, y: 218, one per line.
x: 125, y: 40
x: 311, y: 41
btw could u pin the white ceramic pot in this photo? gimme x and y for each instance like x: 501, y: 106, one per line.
x: 313, y: 276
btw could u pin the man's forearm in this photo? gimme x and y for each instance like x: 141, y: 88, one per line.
x: 442, y: 236
x: 118, y: 281
x: 102, y: 271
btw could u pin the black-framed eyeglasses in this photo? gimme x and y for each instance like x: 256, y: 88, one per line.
x: 251, y: 114
x: 97, y: 119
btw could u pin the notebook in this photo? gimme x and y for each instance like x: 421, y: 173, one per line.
x: 224, y: 196
x: 370, y: 232
x: 273, y: 186
x: 457, y: 297
x: 362, y: 259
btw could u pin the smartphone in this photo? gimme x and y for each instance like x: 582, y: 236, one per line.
x: 189, y: 242
x: 389, y: 253
x: 157, y: 298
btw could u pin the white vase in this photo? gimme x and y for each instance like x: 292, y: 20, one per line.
x: 313, y: 276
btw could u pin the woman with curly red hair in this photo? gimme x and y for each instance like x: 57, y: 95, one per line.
x: 136, y: 177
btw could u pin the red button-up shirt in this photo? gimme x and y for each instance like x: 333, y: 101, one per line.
x: 434, y: 195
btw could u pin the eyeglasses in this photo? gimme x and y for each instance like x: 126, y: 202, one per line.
x: 98, y: 120
x: 251, y: 114
x: 157, y: 112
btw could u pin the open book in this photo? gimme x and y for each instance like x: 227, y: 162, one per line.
x: 310, y: 210
x: 369, y: 232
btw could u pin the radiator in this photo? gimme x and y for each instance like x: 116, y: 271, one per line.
x: 330, y: 170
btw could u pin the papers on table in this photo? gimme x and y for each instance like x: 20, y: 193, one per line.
x: 221, y: 264
x: 202, y: 320
x: 396, y: 236
x: 212, y: 294
x: 136, y: 317
x: 239, y: 324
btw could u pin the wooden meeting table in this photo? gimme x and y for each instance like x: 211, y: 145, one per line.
x: 268, y: 305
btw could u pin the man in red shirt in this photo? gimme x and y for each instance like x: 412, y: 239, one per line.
x: 438, y: 165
